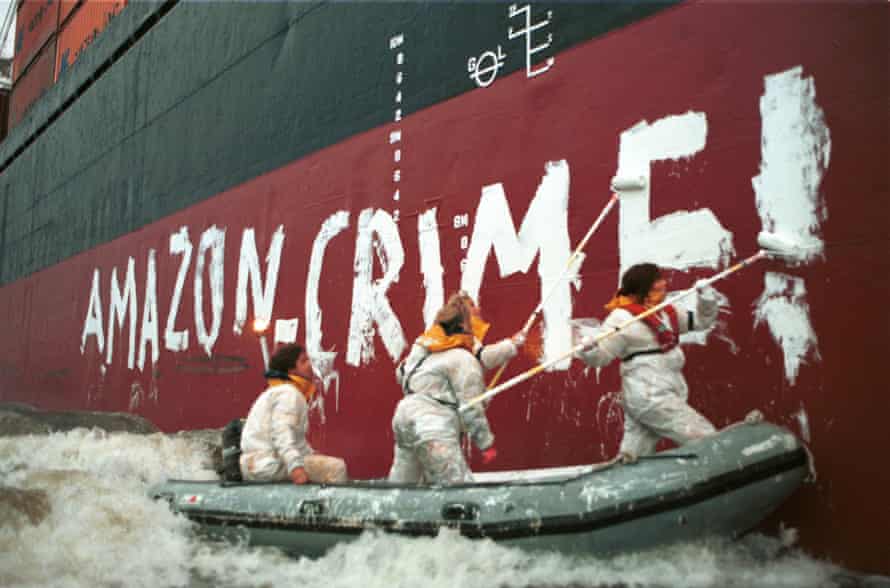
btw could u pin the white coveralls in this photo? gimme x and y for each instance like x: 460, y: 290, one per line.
x: 653, y: 390
x: 427, y: 425
x: 273, y: 441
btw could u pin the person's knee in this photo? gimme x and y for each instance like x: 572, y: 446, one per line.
x: 338, y: 471
x: 443, y: 463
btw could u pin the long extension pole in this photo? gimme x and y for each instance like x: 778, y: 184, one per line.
x: 565, y: 271
x: 541, y: 367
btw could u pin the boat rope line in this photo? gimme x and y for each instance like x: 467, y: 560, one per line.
x: 529, y: 527
x: 583, y: 471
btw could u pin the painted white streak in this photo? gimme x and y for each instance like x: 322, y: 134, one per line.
x: 286, y: 330
x: 430, y: 265
x: 783, y: 307
x: 765, y: 445
x: 795, y: 151
x: 376, y: 232
x: 544, y: 229
x: 121, y: 306
x: 179, y: 244
x: 322, y: 361
x: 149, y: 331
x: 263, y: 294
x: 213, y: 240
x: 93, y: 323
x: 679, y: 240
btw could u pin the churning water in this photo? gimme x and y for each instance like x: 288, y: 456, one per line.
x: 74, y: 512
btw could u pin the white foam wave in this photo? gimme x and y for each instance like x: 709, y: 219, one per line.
x: 102, y: 530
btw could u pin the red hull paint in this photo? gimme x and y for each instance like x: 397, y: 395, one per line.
x: 710, y: 59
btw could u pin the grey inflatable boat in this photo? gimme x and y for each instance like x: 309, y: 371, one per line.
x: 723, y: 485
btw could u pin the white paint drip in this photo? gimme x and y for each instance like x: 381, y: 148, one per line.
x: 766, y: 445
x: 122, y: 305
x: 93, y: 323
x: 149, y: 331
x: 784, y: 308
x: 795, y: 152
x: 322, y: 361
x: 263, y: 294
x: 370, y: 305
x: 596, y: 491
x: 214, y: 240
x: 179, y: 243
x: 137, y: 395
x: 430, y: 265
x: 788, y: 441
x: 544, y: 231
x: 679, y: 240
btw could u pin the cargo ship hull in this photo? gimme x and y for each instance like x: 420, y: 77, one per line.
x: 340, y: 169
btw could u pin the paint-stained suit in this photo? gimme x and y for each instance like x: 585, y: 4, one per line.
x: 653, y: 390
x: 273, y: 442
x: 427, y: 425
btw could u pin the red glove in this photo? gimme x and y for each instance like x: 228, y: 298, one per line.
x: 299, y: 476
x: 489, y: 455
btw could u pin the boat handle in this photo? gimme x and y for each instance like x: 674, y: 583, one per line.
x: 312, y: 508
x: 460, y: 511
x: 165, y: 496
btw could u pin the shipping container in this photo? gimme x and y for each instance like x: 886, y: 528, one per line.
x: 36, y: 22
x: 34, y: 82
x: 66, y: 8
x: 84, y: 24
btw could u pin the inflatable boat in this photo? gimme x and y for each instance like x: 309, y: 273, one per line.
x: 723, y: 485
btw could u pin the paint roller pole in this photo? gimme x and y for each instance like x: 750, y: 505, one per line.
x: 259, y: 327
x: 618, y: 185
x: 541, y: 367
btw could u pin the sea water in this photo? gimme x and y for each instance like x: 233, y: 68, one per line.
x: 74, y: 512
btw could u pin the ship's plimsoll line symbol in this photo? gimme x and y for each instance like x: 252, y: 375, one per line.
x: 485, y: 68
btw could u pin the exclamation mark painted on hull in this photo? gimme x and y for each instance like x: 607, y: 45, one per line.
x: 395, y: 136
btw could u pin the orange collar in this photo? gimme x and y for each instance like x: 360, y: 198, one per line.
x: 434, y: 339
x: 618, y: 301
x: 306, y: 388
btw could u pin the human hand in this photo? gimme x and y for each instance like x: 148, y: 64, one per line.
x: 489, y: 455
x: 299, y: 476
x: 518, y: 339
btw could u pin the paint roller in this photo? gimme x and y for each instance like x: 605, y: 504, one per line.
x: 773, y: 246
x: 779, y: 246
x: 619, y: 184
x: 628, y: 183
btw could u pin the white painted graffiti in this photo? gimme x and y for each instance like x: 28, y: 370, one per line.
x: 681, y: 240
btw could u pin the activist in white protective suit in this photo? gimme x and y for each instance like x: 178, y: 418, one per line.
x: 653, y: 390
x: 273, y: 441
x: 444, y: 369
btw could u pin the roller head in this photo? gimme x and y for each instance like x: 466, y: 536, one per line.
x: 778, y: 246
x: 628, y: 183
